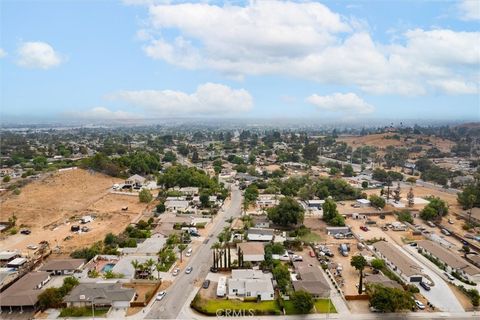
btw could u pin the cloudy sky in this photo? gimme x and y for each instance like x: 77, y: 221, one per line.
x: 134, y: 59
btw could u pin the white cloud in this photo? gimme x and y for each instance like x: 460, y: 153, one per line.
x: 101, y: 113
x: 469, y: 9
x: 307, y: 40
x: 209, y: 98
x: 3, y: 53
x: 38, y: 55
x: 340, y: 102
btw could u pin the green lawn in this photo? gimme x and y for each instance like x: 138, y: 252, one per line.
x: 82, y: 312
x: 321, y: 306
x: 311, y: 237
x: 211, y: 306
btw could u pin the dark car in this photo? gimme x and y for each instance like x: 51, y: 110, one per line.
x: 214, y: 270
x: 74, y: 228
x: 25, y: 231
x: 424, y: 286
x: 206, y: 284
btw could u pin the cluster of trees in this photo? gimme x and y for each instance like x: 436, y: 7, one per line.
x: 331, y: 215
x: 250, y: 194
x: 434, y: 210
x: 288, y: 212
x: 140, y: 162
x: 386, y: 176
x: 470, y: 196
x: 431, y: 172
x: 395, y: 156
x: 377, y: 201
x: 183, y: 176
x: 53, y: 297
x: 405, y: 216
x: 385, y: 299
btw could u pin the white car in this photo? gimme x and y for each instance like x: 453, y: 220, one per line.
x: 175, y: 272
x: 32, y: 247
x: 449, y: 276
x: 297, y: 258
x: 160, y: 295
x: 189, y: 252
x: 188, y: 270
x: 419, y: 305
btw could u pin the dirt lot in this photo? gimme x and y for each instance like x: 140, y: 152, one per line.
x: 50, y: 206
x: 378, y: 140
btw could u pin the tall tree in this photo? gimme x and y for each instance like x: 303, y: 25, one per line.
x: 359, y: 263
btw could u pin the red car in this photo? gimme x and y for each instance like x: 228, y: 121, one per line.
x: 364, y: 228
x: 312, y: 254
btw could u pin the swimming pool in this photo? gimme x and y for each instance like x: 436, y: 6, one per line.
x: 108, y: 267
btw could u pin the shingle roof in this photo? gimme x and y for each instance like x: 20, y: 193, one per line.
x: 24, y: 292
x: 63, y: 264
x: 250, y: 248
x: 312, y: 279
x: 103, y: 293
x: 400, y: 260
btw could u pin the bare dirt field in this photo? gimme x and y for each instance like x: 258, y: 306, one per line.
x: 380, y: 141
x: 50, y: 206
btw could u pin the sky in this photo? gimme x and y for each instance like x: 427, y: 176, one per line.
x: 148, y: 59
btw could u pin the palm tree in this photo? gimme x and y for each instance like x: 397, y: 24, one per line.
x: 136, y: 266
x: 359, y: 263
x: 158, y: 267
x: 181, y: 247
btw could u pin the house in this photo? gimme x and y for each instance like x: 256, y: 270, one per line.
x: 252, y: 251
x: 136, y: 181
x: 314, y: 204
x: 267, y: 200
x: 382, y: 280
x: 452, y: 261
x: 403, y: 265
x: 103, y: 294
x: 7, y: 256
x: 260, y: 234
x: 310, y: 279
x: 222, y: 287
x: 261, y: 221
x: 23, y: 294
x: 176, y: 205
x: 251, y: 283
x: 63, y: 266
x: 189, y: 191
x: 362, y: 203
x: 16, y: 263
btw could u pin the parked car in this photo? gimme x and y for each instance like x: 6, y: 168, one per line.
x: 449, y: 276
x: 364, y: 228
x: 419, y: 305
x: 206, y: 284
x: 424, y: 286
x: 160, y: 295
x: 75, y: 228
x: 312, y: 254
x: 445, y: 232
x: 32, y: 247
x: 25, y: 231
x: 297, y: 258
x: 188, y: 270
x: 85, y: 229
x: 189, y: 252
x: 431, y: 224
x: 450, y: 221
x: 175, y: 272
x: 413, y: 244
x: 213, y: 270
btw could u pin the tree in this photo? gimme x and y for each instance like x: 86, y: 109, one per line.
x: 50, y: 298
x: 145, y: 196
x: 282, y: 276
x: 378, y: 263
x: 329, y: 210
x: 161, y: 208
x: 6, y: 179
x: 310, y: 152
x: 181, y: 248
x: 387, y: 299
x: 365, y: 184
x: 287, y: 212
x: 359, y: 263
x: 434, y: 210
x: 405, y: 216
x: 466, y: 250
x: 470, y: 196
x: 205, y: 200
x: 302, y: 301
x: 348, y: 171
x: 411, y: 198
x: 428, y: 213
x: 377, y: 201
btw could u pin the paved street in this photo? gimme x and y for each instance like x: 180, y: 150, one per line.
x: 178, y: 293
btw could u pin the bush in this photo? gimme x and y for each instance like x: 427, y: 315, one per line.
x: 6, y: 179
x: 377, y: 201
x: 145, y: 196
x: 405, y: 216
x: 302, y: 301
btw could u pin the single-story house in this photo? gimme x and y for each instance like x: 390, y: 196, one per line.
x: 380, y: 279
x: 63, y: 266
x: 16, y: 263
x: 452, y: 261
x: 103, y: 294
x: 23, y: 294
x: 310, y: 279
x: 135, y: 181
x: 252, y: 251
x: 176, y: 205
x: 403, y: 265
x: 7, y: 256
x: 314, y: 204
x: 363, y: 203
x: 260, y: 234
x: 189, y: 191
x: 260, y: 221
x: 251, y: 283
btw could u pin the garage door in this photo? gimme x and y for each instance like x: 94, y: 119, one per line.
x: 415, y: 279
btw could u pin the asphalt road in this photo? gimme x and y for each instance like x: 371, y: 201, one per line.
x: 201, y: 261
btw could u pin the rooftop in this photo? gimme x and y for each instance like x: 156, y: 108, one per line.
x: 25, y: 291
x: 401, y: 261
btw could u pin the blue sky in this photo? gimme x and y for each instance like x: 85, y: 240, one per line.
x: 330, y: 59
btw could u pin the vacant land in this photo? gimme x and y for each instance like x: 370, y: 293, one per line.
x: 382, y: 140
x: 50, y: 206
